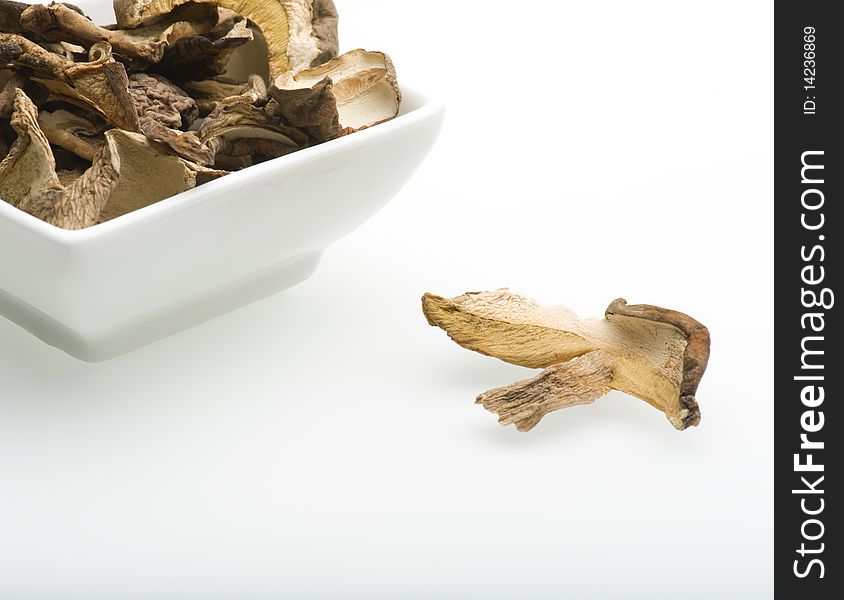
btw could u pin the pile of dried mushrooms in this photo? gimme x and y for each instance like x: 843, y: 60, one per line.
x: 96, y: 122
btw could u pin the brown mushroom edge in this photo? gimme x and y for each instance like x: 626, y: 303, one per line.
x: 695, y: 358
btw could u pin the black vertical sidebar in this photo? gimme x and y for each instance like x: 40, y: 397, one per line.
x: 809, y: 225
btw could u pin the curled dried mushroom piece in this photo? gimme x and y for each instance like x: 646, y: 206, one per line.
x: 204, y: 56
x: 59, y: 23
x: 655, y: 354
x: 100, y: 120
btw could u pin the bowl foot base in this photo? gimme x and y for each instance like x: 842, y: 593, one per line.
x: 166, y: 321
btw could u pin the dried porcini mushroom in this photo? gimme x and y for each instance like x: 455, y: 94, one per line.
x: 200, y: 57
x: 161, y: 100
x: 655, y: 354
x: 185, y: 21
x: 211, y: 92
x: 29, y: 166
x: 97, y: 121
x: 100, y: 84
x: 347, y: 94
x: 29, y: 181
x: 59, y: 23
x: 19, y: 80
x: 71, y: 132
x: 239, y: 132
x: 184, y: 143
x: 148, y: 172
x: 10, y: 16
x: 299, y: 33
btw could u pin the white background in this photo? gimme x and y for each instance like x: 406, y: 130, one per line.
x: 324, y: 443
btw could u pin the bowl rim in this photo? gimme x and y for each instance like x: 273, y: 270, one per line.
x: 416, y: 107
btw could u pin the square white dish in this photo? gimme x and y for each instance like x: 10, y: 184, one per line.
x: 120, y: 285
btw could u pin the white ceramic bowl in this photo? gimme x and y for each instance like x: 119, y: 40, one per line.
x: 112, y: 288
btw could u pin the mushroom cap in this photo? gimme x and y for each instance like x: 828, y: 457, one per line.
x: 695, y: 357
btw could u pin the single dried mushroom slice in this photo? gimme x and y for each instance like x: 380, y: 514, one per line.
x: 163, y: 109
x: 149, y: 172
x: 184, y: 143
x: 347, y: 94
x: 239, y: 132
x: 200, y: 57
x: 79, y: 203
x: 185, y: 21
x: 59, y: 23
x: 161, y: 100
x: 10, y: 16
x: 299, y: 33
x: 210, y: 93
x: 71, y: 132
x: 101, y: 84
x: 655, y: 354
x: 29, y: 181
x: 29, y: 165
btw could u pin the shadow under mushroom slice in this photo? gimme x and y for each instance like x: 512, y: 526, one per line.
x: 653, y: 353
x: 299, y: 33
x: 349, y: 93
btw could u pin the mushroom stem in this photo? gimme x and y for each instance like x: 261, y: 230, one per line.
x: 58, y: 23
x: 65, y: 138
x: 581, y: 380
x: 655, y: 354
